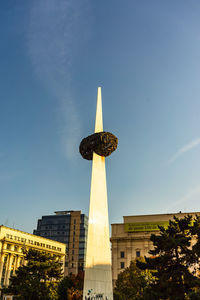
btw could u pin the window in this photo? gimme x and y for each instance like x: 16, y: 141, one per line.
x: 137, y: 253
x: 81, y: 251
x: 81, y: 245
x: 21, y: 262
x: 122, y: 265
x: 73, y: 252
x: 82, y: 226
x: 122, y: 254
x: 72, y: 265
x: 73, y: 245
x: 74, y: 221
x: 74, y: 227
x: 13, y: 262
x: 82, y: 232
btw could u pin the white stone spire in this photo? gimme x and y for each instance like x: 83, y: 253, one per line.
x: 98, y: 276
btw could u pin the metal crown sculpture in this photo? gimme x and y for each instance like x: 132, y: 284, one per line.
x: 102, y: 143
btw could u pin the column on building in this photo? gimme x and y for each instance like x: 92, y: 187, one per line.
x: 9, y: 266
x: 1, y: 265
x: 17, y: 264
x: 4, y: 263
x: 5, y: 268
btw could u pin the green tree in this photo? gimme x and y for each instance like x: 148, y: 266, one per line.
x: 132, y: 283
x: 174, y: 260
x: 37, y: 280
x: 71, y: 287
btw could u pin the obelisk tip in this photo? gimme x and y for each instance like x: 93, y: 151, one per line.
x: 99, y: 117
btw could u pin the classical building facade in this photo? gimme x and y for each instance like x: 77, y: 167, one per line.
x: 69, y: 227
x: 12, y: 243
x: 131, y: 239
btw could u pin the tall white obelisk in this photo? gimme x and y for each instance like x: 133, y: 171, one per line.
x: 98, y: 276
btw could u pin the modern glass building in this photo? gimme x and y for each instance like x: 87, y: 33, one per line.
x: 69, y: 227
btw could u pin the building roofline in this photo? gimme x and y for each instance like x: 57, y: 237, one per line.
x: 63, y: 212
x: 167, y: 214
x: 31, y: 234
x: 175, y: 213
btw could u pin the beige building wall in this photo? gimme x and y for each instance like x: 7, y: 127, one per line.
x: 73, y: 252
x: 131, y: 239
x: 12, y: 243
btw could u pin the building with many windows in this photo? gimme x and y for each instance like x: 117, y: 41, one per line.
x: 69, y: 227
x: 12, y: 243
x: 131, y: 239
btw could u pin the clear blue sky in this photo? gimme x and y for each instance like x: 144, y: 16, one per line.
x: 146, y: 57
